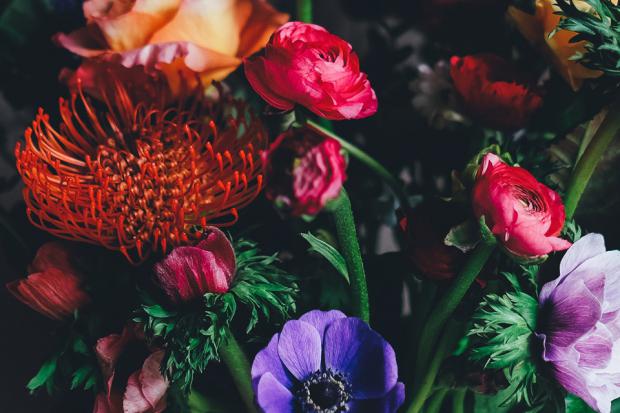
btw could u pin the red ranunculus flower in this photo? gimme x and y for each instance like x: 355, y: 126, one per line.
x: 525, y: 215
x: 132, y: 384
x: 53, y: 287
x: 425, y: 228
x: 188, y: 273
x: 493, y: 91
x: 304, y: 171
x: 305, y: 64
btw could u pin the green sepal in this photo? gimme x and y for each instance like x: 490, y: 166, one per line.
x: 464, y: 236
x: 44, y: 377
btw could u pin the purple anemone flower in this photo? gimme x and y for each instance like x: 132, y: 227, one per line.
x: 579, y: 322
x: 326, y: 362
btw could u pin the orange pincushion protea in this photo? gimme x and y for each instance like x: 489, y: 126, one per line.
x: 137, y: 177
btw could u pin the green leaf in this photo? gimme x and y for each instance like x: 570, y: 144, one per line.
x: 44, y: 375
x: 157, y: 311
x: 328, y: 252
x: 575, y: 405
x: 464, y: 236
x: 81, y: 376
x: 487, y: 236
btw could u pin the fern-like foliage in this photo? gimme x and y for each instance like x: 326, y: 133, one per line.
x: 191, y: 336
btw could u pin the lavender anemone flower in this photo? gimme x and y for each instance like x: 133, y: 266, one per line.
x: 579, y: 322
x: 326, y: 362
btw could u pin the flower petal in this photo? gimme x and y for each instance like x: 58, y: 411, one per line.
x: 595, y: 348
x: 586, y: 247
x: 299, y: 348
x: 152, y: 383
x: 133, y: 400
x: 387, y: 404
x: 268, y: 361
x: 322, y: 319
x: 273, y: 397
x: 353, y: 348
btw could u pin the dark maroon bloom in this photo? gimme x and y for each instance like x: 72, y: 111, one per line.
x: 304, y: 171
x: 188, y: 273
x: 425, y: 229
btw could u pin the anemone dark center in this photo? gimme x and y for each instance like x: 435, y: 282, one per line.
x: 324, y: 392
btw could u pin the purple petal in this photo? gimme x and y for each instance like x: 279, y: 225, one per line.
x: 387, y: 404
x: 273, y: 397
x: 595, y: 348
x: 268, y: 361
x: 353, y: 348
x: 321, y: 319
x: 606, y: 265
x: 572, y: 311
x: 299, y: 348
x: 587, y: 247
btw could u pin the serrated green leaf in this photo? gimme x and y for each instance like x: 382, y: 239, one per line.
x: 157, y: 311
x: 328, y: 252
x: 44, y: 375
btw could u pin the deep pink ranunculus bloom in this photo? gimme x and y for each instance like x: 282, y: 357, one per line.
x: 493, y: 91
x: 54, y: 286
x: 579, y: 322
x: 304, y: 171
x: 303, y: 64
x: 524, y: 214
x: 145, y: 389
x: 187, y: 273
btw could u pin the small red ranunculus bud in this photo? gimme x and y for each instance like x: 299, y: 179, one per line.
x: 303, y: 64
x: 304, y: 171
x: 190, y: 272
x: 425, y: 229
x: 525, y: 215
x: 493, y: 91
x: 54, y: 286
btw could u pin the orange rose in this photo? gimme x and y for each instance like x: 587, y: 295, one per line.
x: 178, y: 37
x: 558, y: 48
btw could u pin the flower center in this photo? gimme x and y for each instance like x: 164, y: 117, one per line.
x: 324, y: 391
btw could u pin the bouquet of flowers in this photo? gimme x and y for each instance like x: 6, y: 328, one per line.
x: 220, y: 206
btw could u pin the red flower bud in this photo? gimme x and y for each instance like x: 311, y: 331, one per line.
x: 493, y: 91
x: 425, y: 228
x: 54, y: 286
x: 305, y: 65
x: 304, y: 171
x: 188, y: 273
x: 525, y: 215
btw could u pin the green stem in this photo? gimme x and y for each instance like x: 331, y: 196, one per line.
x: 589, y: 160
x: 458, y: 400
x: 448, y: 341
x: 350, y: 249
x: 237, y: 362
x: 435, y: 403
x: 389, y: 179
x: 304, y: 11
x: 448, y: 303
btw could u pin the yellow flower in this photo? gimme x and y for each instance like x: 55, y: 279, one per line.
x: 558, y: 48
x: 209, y: 38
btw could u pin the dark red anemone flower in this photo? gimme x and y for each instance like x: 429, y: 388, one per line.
x: 138, y: 176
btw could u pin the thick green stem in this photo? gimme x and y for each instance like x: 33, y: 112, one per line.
x: 304, y: 11
x: 435, y: 403
x: 458, y: 400
x: 452, y: 334
x: 237, y: 362
x: 350, y: 249
x: 448, y: 303
x: 389, y: 179
x: 592, y: 155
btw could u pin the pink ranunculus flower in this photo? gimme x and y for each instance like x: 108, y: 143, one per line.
x: 305, y: 65
x: 524, y: 214
x: 304, y: 171
x: 144, y: 390
x: 184, y: 39
x: 187, y: 273
x: 54, y: 286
